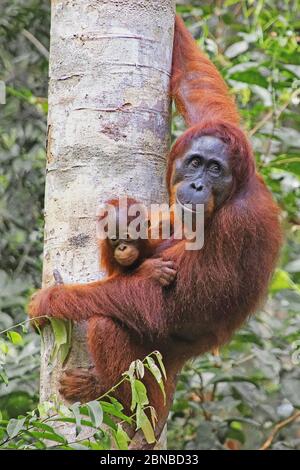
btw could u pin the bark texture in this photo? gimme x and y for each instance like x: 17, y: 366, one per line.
x: 108, y: 132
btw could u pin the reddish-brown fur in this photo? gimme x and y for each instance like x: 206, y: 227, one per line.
x: 108, y: 262
x: 218, y: 287
x: 198, y: 89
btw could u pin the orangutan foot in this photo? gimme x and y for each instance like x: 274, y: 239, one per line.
x: 80, y: 384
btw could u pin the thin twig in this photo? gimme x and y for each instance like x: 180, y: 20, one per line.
x: 261, y: 123
x: 40, y: 47
x: 22, y: 323
x: 277, y: 428
x: 267, y: 116
x: 244, y: 359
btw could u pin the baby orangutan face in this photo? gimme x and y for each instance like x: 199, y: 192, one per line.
x: 126, y: 251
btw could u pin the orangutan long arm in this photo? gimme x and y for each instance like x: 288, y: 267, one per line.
x: 197, y: 87
x: 133, y: 300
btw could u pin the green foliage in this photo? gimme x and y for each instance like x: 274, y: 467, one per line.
x: 62, y: 331
x: 99, y: 424
x: 22, y: 161
x: 231, y: 401
x: 22, y: 150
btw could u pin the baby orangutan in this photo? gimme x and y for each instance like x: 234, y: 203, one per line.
x: 121, y: 255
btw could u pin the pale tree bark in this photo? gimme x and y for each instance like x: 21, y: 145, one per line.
x: 108, y: 132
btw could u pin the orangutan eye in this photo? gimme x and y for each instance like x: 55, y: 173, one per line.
x: 214, y: 168
x: 195, y: 161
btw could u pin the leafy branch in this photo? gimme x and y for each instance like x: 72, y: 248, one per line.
x: 35, y: 431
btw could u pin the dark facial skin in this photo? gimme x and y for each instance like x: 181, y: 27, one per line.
x: 203, y: 175
x: 126, y: 251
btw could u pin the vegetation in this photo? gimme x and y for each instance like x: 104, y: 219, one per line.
x: 99, y: 424
x: 249, y: 395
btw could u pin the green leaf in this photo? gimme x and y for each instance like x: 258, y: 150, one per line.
x: 15, y: 426
x: 122, y: 438
x: 228, y: 3
x: 237, y: 435
x: 59, y: 330
x: 141, y: 393
x: 95, y: 412
x: 236, y: 49
x: 103, y: 440
x: 289, y: 163
x: 62, y: 331
x: 282, y: 280
x: 153, y: 416
x: 157, y: 374
x: 77, y: 446
x: 83, y: 422
x: 160, y: 362
x: 133, y: 394
x: 140, y: 368
x: 154, y: 369
x: 117, y: 405
x: 293, y: 266
x: 131, y: 370
x: 115, y: 410
x: 65, y: 348
x: 75, y: 408
x: 108, y: 421
x: 44, y: 408
x: 142, y: 422
x: 49, y: 436
x: 15, y: 337
x: 251, y: 76
x: 4, y: 348
x: 241, y: 419
x: 63, y: 410
x: 4, y: 377
x: 43, y: 426
x: 295, y: 69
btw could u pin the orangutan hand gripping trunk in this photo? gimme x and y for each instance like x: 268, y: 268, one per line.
x: 217, y: 287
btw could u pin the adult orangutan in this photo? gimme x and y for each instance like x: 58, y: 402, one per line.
x: 217, y: 287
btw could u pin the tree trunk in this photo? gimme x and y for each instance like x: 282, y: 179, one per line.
x: 108, y: 133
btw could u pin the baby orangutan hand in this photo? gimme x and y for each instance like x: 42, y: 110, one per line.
x: 158, y: 269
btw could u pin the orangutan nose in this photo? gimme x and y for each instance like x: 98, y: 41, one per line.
x: 197, y: 186
x: 122, y: 247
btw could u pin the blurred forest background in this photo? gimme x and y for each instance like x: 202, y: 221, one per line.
x: 233, y: 401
